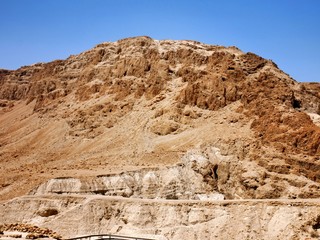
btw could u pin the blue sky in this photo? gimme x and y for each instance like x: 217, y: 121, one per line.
x: 285, y: 31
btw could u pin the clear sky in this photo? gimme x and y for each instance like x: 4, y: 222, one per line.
x: 285, y: 31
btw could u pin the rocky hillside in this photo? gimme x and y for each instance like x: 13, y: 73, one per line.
x: 142, y: 118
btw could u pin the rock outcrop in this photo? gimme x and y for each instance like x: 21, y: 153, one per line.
x: 200, y: 176
x: 34, y: 232
x: 194, y: 178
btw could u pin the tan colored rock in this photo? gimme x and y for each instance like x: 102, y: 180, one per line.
x: 137, y: 117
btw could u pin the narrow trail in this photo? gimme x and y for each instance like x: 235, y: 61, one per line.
x: 88, y: 198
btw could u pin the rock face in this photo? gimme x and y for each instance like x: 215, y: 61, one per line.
x: 193, y: 179
x: 170, y: 219
x: 159, y: 120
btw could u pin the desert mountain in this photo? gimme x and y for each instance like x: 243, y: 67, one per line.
x: 232, y: 122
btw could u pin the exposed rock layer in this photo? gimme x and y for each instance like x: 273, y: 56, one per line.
x: 170, y: 219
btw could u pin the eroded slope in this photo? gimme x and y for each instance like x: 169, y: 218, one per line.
x: 143, y: 137
x: 140, y: 102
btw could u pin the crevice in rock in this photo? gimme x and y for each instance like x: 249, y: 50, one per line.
x: 316, y: 225
x: 48, y: 212
x: 215, y: 171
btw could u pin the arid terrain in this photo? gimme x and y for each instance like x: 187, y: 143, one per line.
x: 161, y: 139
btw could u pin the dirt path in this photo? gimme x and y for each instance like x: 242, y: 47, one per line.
x: 87, y: 198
